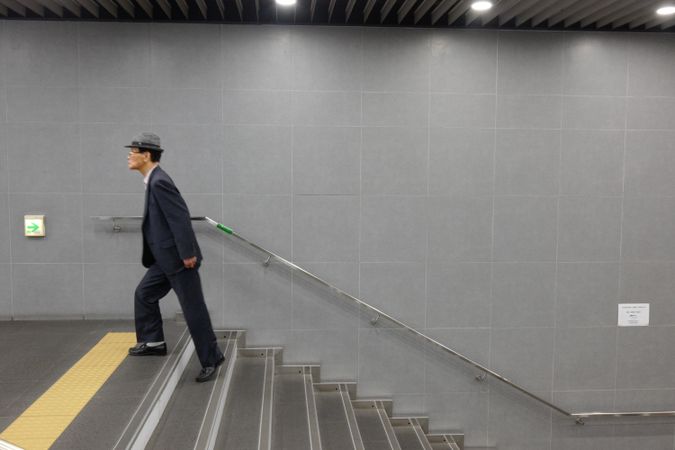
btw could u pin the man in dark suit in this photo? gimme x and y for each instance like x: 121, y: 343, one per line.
x: 173, y: 257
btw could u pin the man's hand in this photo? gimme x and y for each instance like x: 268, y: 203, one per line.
x: 190, y: 263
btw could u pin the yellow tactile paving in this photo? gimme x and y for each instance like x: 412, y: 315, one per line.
x: 43, y: 422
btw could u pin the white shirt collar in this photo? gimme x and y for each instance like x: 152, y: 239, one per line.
x: 147, y: 176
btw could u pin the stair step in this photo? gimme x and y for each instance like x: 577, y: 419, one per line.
x: 373, y: 421
x: 454, y: 441
x: 247, y: 418
x: 410, y: 434
x: 337, y: 422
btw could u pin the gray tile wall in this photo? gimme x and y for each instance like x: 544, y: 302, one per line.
x: 501, y: 190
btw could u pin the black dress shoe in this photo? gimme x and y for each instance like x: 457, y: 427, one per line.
x: 209, y: 371
x: 143, y: 349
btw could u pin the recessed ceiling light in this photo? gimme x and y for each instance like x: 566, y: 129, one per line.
x: 666, y: 10
x: 481, y: 6
x: 285, y: 2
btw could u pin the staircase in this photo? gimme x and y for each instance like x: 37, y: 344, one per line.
x: 258, y: 403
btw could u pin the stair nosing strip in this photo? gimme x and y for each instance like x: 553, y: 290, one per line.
x: 265, y: 429
x: 388, y: 429
x: 215, y: 410
x: 351, y: 419
x: 312, y: 416
x: 424, y: 442
x: 163, y: 388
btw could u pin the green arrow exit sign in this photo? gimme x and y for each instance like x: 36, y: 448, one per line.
x: 34, y: 225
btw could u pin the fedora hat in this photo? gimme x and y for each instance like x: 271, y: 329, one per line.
x: 146, y: 141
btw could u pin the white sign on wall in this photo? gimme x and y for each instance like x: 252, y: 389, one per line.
x: 633, y: 314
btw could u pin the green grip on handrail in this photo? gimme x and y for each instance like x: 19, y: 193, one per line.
x: 222, y: 227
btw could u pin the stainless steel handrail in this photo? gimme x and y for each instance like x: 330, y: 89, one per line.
x: 578, y: 417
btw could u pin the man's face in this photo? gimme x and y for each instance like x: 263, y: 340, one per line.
x: 137, y: 159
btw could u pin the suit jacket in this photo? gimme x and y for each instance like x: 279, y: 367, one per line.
x: 168, y: 237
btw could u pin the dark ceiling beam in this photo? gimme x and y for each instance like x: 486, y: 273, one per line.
x: 147, y: 7
x: 349, y: 9
x: 487, y: 16
x: 127, y: 6
x: 183, y: 6
x: 626, y: 15
x: 549, y: 12
x: 424, y: 8
x: 109, y: 6
x: 370, y: 4
x: 641, y: 20
x: 604, y: 12
x: 165, y: 6
x: 446, y: 6
x: 71, y: 6
x: 3, y: 10
x: 578, y: 16
x: 14, y: 6
x: 512, y: 12
x: 533, y: 11
x: 51, y: 5
x: 571, y: 9
x: 660, y: 21
x: 331, y: 8
x: 202, y: 7
x: 386, y: 9
x: 90, y: 6
x: 405, y: 9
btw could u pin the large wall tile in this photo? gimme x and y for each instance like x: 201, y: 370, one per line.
x: 589, y: 229
x: 114, y: 54
x: 263, y: 219
x: 651, y: 60
x: 524, y: 355
x: 460, y: 228
x: 104, y: 158
x: 47, y: 290
x: 585, y: 358
x: 257, y: 160
x: 395, y: 59
x: 656, y: 436
x: 257, y: 297
x: 317, y: 308
x: 117, y: 105
x: 527, y: 162
x: 335, y: 350
x: 326, y: 58
x: 651, y: 113
x: 394, y: 161
x: 41, y: 104
x: 591, y: 162
x: 327, y: 160
x: 477, y: 51
x: 523, y: 295
x: 186, y: 106
x: 646, y: 358
x: 461, y: 162
x: 587, y: 294
x: 531, y: 111
x: 393, y: 229
x: 109, y: 289
x: 462, y: 111
x: 398, y: 289
x: 525, y: 228
x: 389, y: 364
x: 458, y: 295
x: 648, y: 231
x: 529, y: 65
x: 652, y: 283
x: 185, y: 56
x: 395, y: 109
x: 650, y: 163
x: 471, y: 418
x: 596, y: 63
x: 41, y: 53
x: 517, y: 422
x: 193, y: 156
x: 5, y: 229
x: 244, y: 48
x: 63, y: 226
x: 5, y: 291
x: 4, y: 173
x: 590, y: 112
x: 326, y: 228
x: 325, y: 108
x: 256, y: 107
